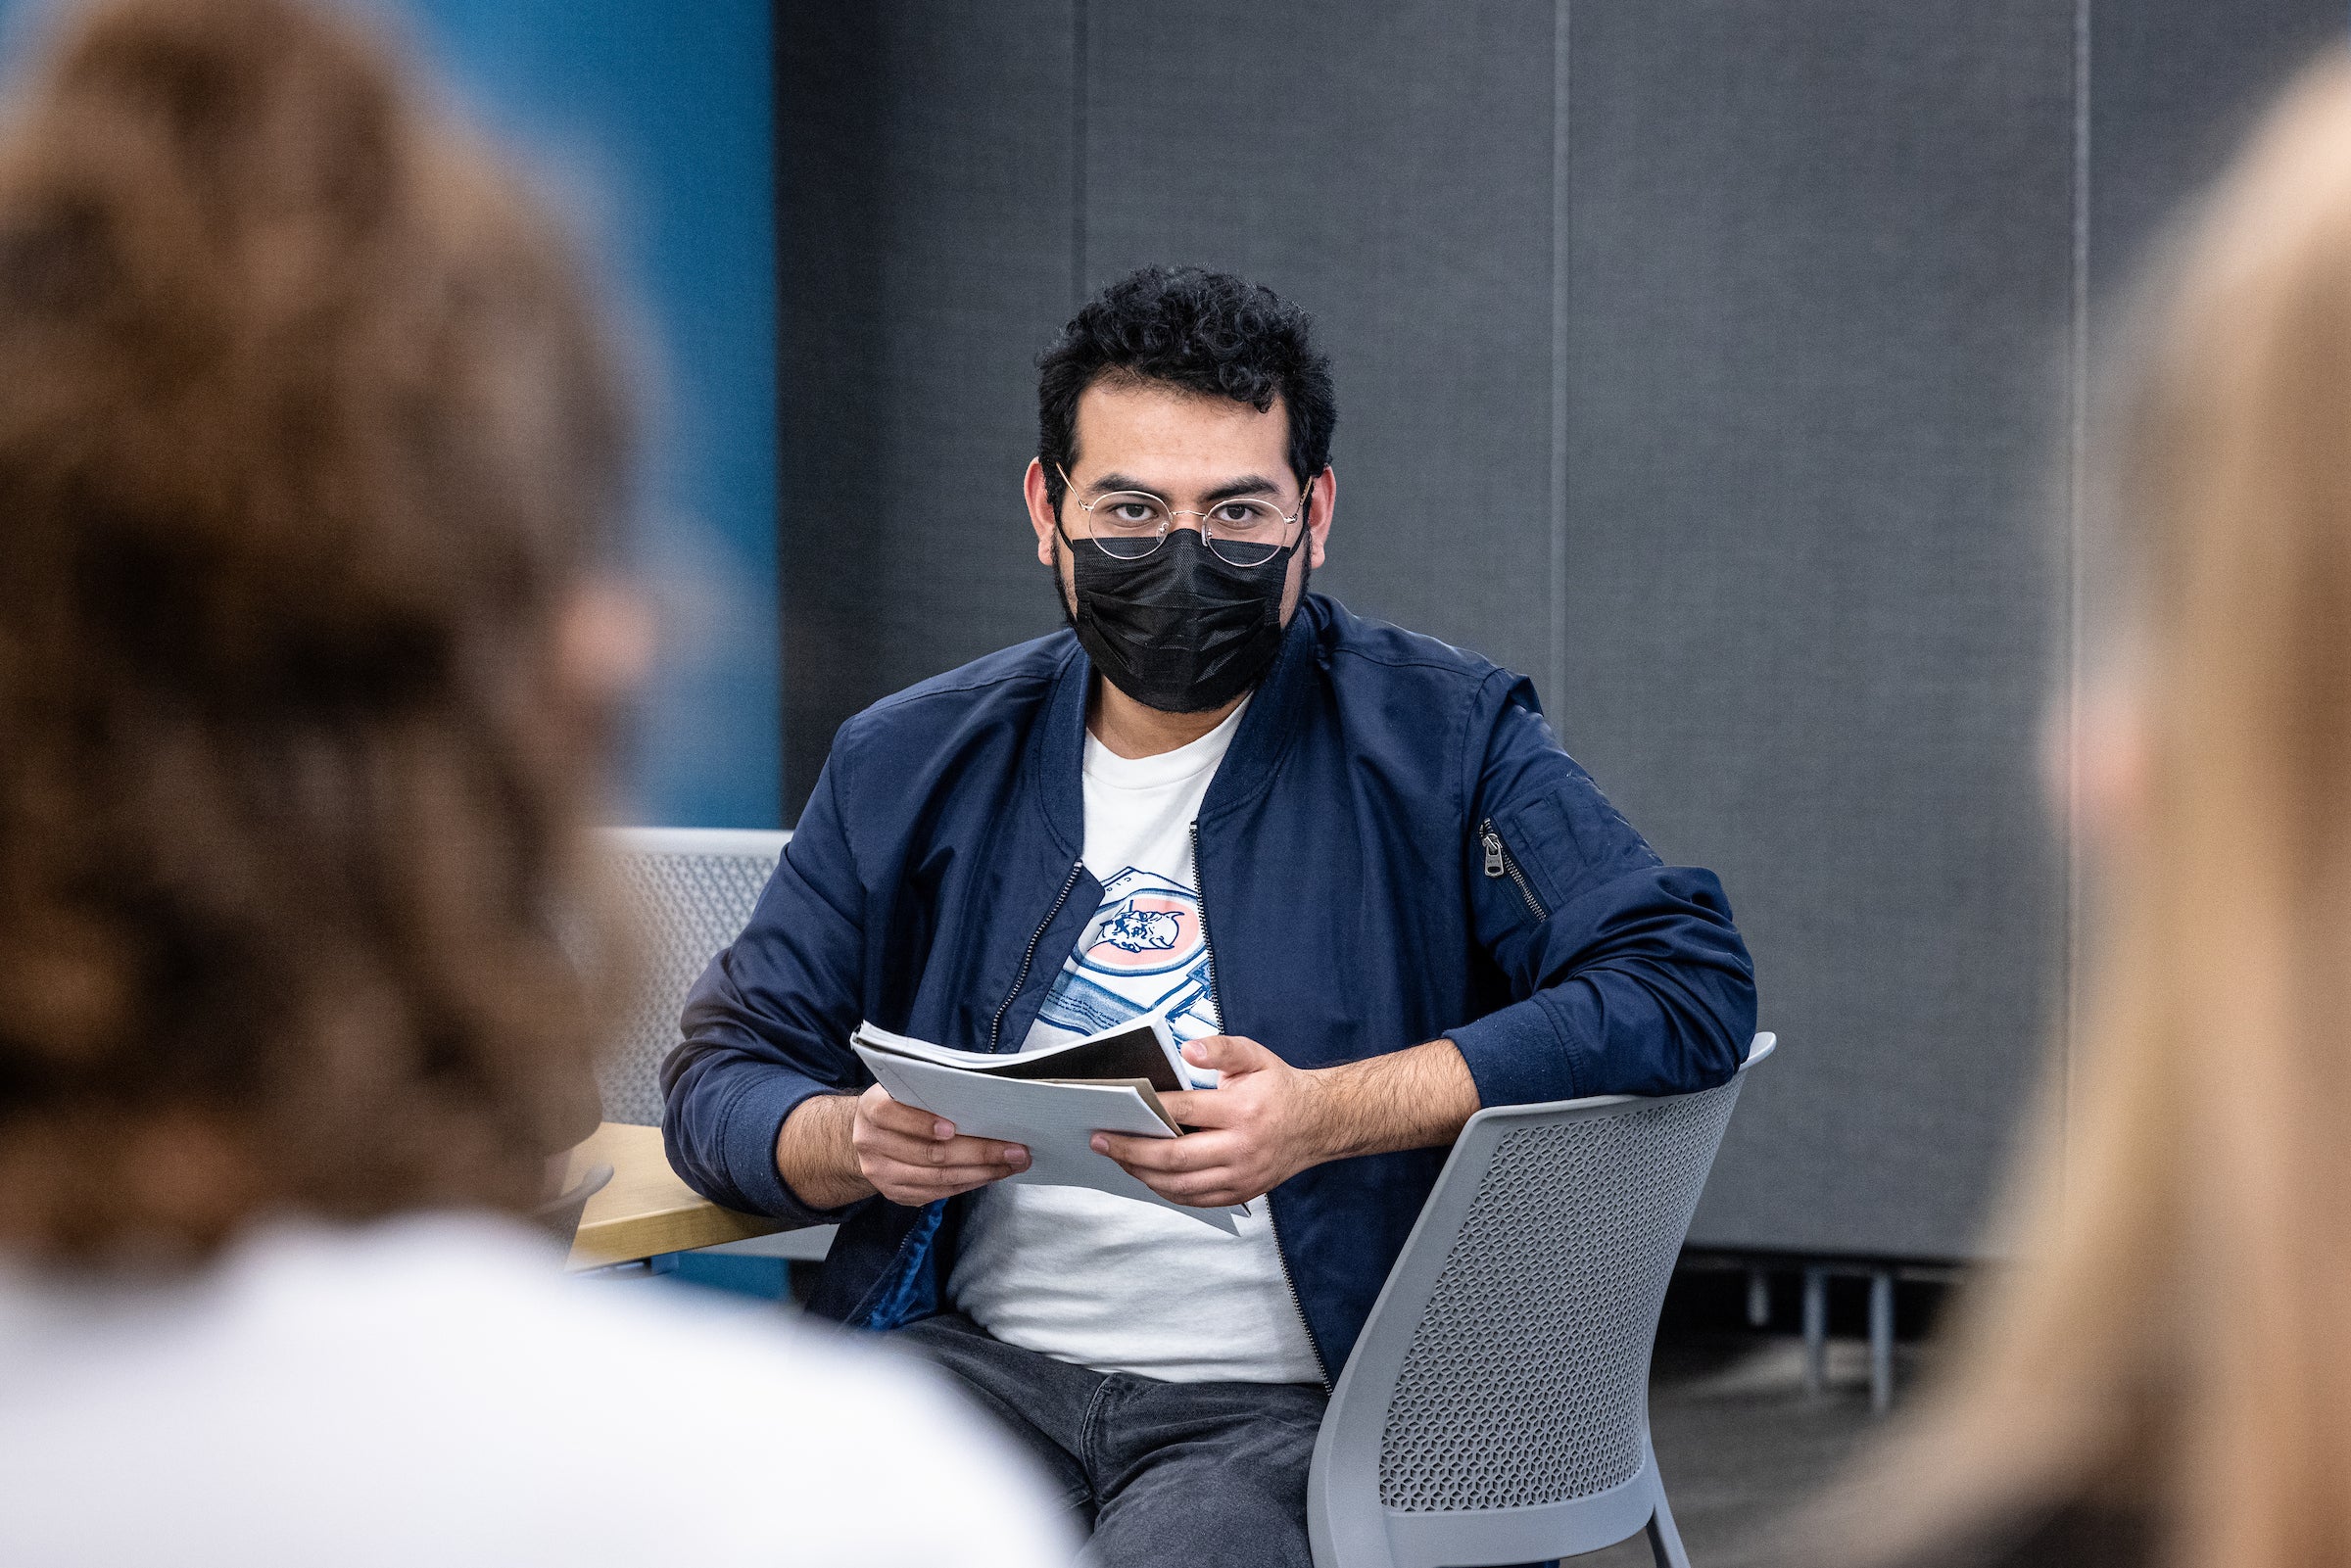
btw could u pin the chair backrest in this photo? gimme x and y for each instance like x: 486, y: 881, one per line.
x: 1498, y: 1400
x: 690, y: 892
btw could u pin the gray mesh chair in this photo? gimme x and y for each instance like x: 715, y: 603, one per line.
x: 1496, y: 1409
x: 690, y: 892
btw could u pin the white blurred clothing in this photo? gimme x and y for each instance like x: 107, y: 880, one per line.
x: 432, y: 1390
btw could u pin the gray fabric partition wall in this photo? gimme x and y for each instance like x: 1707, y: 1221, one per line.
x: 1714, y: 364
x: 1819, y: 273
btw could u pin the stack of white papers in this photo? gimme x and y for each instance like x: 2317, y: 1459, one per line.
x: 1013, y: 1099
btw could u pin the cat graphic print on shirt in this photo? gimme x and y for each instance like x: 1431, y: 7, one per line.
x: 1142, y: 953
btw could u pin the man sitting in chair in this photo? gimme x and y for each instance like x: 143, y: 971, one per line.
x: 1349, y: 864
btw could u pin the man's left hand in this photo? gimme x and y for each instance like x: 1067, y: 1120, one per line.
x: 1264, y: 1123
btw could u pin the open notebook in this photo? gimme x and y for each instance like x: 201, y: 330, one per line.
x: 1050, y: 1101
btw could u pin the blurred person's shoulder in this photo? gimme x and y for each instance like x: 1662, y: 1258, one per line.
x: 434, y: 1388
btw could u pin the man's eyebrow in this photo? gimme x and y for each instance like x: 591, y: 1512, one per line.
x: 1246, y: 484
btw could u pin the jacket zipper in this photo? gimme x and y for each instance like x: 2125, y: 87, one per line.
x: 1027, y: 959
x: 1498, y: 862
x: 995, y: 1029
x: 1216, y: 1006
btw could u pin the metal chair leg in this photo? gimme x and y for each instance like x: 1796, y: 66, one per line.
x: 1816, y: 1330
x: 1664, y: 1541
x: 1881, y: 1341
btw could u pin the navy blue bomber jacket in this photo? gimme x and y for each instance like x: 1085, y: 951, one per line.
x: 1394, y: 850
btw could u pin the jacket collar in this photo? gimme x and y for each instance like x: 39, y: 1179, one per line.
x: 1274, y: 718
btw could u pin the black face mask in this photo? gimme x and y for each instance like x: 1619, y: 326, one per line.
x: 1182, y: 629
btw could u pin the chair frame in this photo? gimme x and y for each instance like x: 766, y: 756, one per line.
x: 764, y: 842
x: 1344, y: 1531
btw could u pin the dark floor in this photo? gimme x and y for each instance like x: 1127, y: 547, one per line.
x: 1741, y: 1443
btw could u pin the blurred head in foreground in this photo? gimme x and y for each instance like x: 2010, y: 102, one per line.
x: 2171, y: 1355
x: 307, y: 440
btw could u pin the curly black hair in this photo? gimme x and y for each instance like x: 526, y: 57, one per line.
x: 1204, y: 331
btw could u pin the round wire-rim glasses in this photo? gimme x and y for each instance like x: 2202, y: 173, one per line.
x: 1242, y: 530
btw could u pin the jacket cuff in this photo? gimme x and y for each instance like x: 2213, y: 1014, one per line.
x: 1517, y: 1055
x: 746, y: 1144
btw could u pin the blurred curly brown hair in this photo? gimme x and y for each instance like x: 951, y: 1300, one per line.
x: 307, y: 434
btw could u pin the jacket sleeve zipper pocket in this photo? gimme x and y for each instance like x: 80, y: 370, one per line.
x: 1498, y: 862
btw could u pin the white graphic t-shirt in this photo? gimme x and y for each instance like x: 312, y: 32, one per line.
x: 1107, y: 1282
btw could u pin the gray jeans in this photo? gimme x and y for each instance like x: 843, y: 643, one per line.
x: 1204, y: 1475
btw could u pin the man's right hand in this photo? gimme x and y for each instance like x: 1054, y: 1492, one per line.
x: 835, y: 1149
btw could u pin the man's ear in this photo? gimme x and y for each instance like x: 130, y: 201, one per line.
x: 1040, y: 510
x: 1324, y: 503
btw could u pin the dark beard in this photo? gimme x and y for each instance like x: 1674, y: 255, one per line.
x: 1061, y: 595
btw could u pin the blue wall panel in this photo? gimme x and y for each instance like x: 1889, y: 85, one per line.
x: 658, y: 121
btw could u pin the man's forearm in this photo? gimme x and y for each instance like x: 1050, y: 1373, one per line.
x: 1413, y: 1099
x: 814, y: 1154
